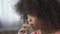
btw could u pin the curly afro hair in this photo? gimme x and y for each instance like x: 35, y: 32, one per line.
x: 46, y: 10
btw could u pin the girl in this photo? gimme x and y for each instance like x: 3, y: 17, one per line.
x: 42, y: 15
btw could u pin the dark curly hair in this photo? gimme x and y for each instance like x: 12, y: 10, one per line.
x: 46, y: 10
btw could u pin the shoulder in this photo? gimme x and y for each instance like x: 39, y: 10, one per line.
x: 57, y: 32
x: 33, y: 32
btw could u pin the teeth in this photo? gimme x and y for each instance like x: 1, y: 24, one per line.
x: 26, y: 26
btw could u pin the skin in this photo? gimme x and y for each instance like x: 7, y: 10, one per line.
x: 34, y: 21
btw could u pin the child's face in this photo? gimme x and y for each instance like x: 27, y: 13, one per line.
x: 34, y: 22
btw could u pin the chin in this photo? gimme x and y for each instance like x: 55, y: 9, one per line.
x: 34, y: 28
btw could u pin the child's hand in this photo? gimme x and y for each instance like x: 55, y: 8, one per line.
x: 23, y: 31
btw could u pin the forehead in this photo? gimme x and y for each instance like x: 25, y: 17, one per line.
x: 31, y: 16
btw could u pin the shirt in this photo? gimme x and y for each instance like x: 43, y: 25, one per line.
x: 36, y: 32
x: 57, y: 32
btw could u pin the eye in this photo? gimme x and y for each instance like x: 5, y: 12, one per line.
x: 29, y: 20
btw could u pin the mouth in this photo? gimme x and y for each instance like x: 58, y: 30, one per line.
x: 32, y: 25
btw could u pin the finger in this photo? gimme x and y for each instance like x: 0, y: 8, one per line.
x: 22, y: 30
x: 25, y: 29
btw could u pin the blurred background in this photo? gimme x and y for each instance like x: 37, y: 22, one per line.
x: 10, y: 21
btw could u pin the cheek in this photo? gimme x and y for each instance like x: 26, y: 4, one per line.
x: 33, y: 21
x: 37, y: 23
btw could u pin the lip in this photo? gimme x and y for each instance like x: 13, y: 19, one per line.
x: 32, y: 24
